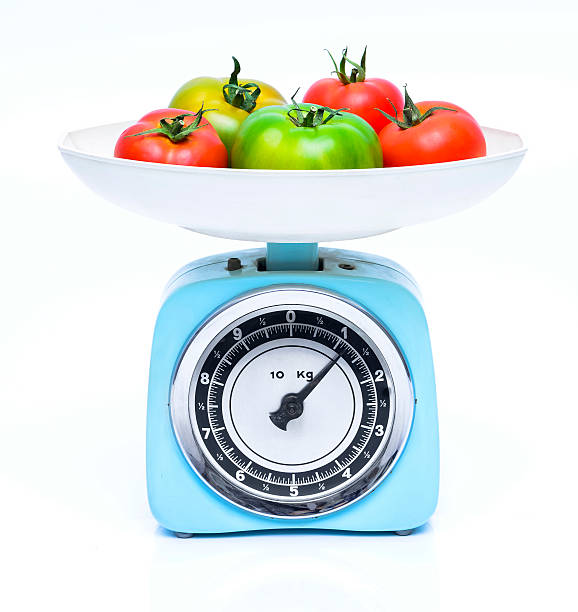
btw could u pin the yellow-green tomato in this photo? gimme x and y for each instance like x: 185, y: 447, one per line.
x: 305, y: 137
x: 232, y: 101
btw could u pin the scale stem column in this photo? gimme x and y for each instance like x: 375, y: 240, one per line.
x: 292, y: 256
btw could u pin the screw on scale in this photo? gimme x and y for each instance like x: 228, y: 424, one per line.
x: 233, y: 264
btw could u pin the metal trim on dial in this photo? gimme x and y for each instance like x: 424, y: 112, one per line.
x: 398, y: 428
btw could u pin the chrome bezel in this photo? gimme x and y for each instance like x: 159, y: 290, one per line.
x: 308, y: 297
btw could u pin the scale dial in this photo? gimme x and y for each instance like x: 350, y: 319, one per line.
x: 292, y: 402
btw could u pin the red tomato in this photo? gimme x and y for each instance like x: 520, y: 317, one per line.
x: 173, y: 136
x: 428, y: 134
x: 355, y: 93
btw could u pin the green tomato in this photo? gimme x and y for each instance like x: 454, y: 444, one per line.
x: 305, y: 137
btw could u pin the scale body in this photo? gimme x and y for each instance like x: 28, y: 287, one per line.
x: 403, y: 499
x: 291, y: 387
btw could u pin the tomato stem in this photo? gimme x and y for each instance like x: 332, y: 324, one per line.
x: 357, y: 73
x: 240, y: 96
x: 411, y: 113
x: 174, y: 128
x: 314, y: 115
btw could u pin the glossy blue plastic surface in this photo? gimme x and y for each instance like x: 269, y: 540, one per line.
x: 182, y: 502
x: 292, y: 256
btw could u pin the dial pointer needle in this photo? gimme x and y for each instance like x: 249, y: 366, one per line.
x: 317, y: 379
x: 292, y: 404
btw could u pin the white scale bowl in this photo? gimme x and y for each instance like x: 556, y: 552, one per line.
x: 289, y: 205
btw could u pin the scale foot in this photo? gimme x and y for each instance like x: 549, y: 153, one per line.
x: 404, y: 532
x: 182, y: 535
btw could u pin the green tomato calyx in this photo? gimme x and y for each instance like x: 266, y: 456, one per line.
x: 411, y: 113
x: 174, y: 127
x: 357, y: 73
x: 240, y: 96
x: 313, y: 116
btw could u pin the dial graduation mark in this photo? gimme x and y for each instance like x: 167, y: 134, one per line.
x: 325, y: 334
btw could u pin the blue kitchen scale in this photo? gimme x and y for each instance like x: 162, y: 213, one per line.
x: 291, y: 386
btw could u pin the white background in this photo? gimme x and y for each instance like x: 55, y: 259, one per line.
x: 81, y: 282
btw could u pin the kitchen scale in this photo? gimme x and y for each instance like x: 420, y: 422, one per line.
x: 291, y: 386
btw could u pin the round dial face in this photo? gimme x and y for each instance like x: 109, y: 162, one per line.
x: 292, y: 402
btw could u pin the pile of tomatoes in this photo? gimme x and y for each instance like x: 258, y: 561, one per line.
x: 345, y: 121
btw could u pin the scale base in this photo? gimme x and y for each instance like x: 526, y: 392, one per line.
x: 404, y: 500
x: 186, y: 536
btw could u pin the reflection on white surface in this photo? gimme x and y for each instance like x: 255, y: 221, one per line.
x: 295, y: 571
